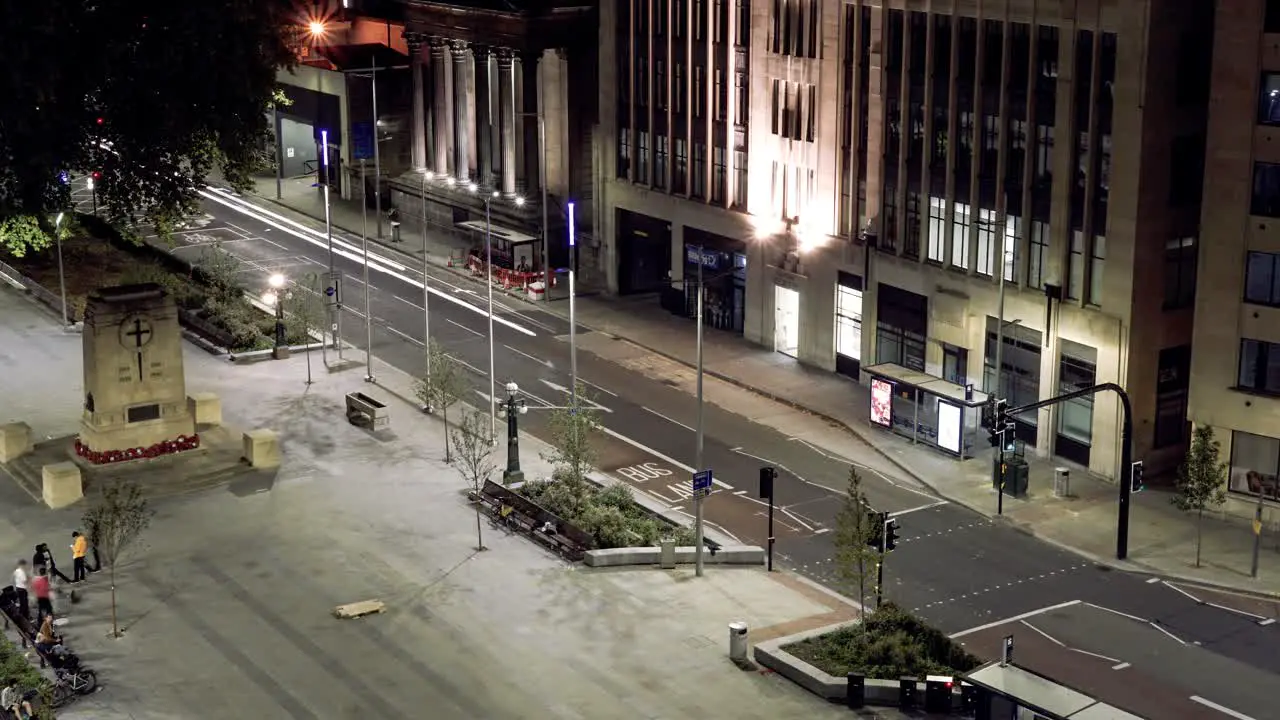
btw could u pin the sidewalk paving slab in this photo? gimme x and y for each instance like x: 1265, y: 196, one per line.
x: 228, y: 600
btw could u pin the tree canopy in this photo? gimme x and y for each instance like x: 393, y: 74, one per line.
x: 152, y: 94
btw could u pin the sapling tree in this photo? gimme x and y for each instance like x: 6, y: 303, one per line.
x: 573, y: 451
x: 856, y: 559
x: 474, y: 461
x: 114, y: 523
x: 1202, y: 479
x: 441, y: 388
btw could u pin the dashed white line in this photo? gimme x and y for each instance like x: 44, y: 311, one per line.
x: 518, y: 351
x: 1220, y: 708
x: 671, y: 420
x: 464, y: 327
x: 1268, y: 621
x: 1156, y: 625
x: 1153, y: 581
x: 410, y: 303
x: 1120, y: 666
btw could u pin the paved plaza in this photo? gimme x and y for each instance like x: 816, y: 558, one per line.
x: 228, y: 602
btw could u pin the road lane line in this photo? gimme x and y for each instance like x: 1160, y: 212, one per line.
x: 606, y: 391
x: 668, y: 419
x: 1179, y: 590
x: 546, y: 363
x: 413, y: 340
x: 464, y: 327
x: 1015, y: 618
x: 660, y: 456
x: 1044, y: 634
x: 1134, y: 618
x: 1153, y: 580
x: 908, y: 511
x: 1268, y: 621
x: 375, y: 262
x: 1220, y: 708
x: 1120, y: 666
x: 1156, y: 625
x: 1093, y: 654
x: 819, y: 531
x: 846, y: 461
x: 783, y: 523
x: 409, y: 302
x: 1239, y: 612
x: 792, y: 515
x: 560, y: 388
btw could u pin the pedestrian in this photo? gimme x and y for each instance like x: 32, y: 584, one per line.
x: 20, y: 588
x: 44, y: 557
x: 43, y: 592
x: 79, y: 545
x: 13, y: 702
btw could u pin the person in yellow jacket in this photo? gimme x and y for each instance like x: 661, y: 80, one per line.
x: 79, y: 546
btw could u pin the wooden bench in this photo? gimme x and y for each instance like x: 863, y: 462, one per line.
x: 527, y: 515
x: 364, y: 411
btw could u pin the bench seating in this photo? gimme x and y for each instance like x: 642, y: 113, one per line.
x: 527, y: 515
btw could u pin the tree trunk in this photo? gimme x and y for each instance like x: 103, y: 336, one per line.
x: 445, y: 414
x: 862, y: 586
x: 479, y: 536
x: 115, y: 628
x: 1199, y: 518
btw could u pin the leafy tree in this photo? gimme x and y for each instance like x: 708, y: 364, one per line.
x: 572, y: 450
x: 475, y: 462
x: 113, y: 524
x: 128, y: 88
x: 305, y: 312
x: 1202, y: 479
x: 856, y: 560
x: 441, y: 388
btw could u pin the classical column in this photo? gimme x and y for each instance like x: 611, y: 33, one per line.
x: 532, y: 149
x: 507, y: 118
x: 484, y: 117
x: 461, y: 130
x: 418, y: 136
x: 442, y: 120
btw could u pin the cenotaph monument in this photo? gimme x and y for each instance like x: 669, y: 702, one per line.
x: 135, y: 402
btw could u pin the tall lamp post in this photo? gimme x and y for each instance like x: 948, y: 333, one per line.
x: 697, y: 501
x: 515, y: 407
x: 488, y: 249
x: 573, y: 319
x: 426, y: 284
x: 364, y: 243
x: 335, y: 306
x: 62, y: 278
x: 275, y: 297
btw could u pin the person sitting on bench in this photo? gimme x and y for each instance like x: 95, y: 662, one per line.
x: 505, y: 512
x: 548, y: 528
x: 46, y: 639
x: 12, y: 701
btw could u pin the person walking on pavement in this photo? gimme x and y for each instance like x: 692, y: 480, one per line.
x: 20, y: 588
x: 43, y: 592
x: 79, y: 545
x: 43, y: 557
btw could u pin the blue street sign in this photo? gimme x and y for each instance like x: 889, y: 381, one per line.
x: 710, y: 259
x: 702, y: 482
x: 362, y: 141
x: 329, y: 291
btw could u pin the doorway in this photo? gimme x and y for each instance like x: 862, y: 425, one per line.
x: 786, y: 321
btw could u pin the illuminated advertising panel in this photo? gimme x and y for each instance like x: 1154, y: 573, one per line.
x: 949, y: 427
x: 881, y: 402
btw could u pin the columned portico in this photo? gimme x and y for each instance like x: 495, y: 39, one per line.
x: 484, y: 116
x: 507, y: 118
x: 441, y: 117
x: 418, y: 115
x: 530, y: 91
x: 462, y: 131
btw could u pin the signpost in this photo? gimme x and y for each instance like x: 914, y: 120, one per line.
x: 362, y: 141
x: 702, y: 484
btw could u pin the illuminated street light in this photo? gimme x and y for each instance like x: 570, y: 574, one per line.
x: 276, y: 281
x: 519, y: 201
x: 451, y: 182
x: 472, y: 187
x: 316, y: 28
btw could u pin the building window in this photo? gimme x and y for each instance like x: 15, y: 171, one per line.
x: 937, y: 228
x: 717, y: 174
x: 1271, y: 21
x: 1180, y: 273
x: 955, y: 360
x: 1077, y: 371
x: 848, y: 321
x: 740, y: 178
x: 1259, y: 366
x: 960, y: 237
x: 1097, y: 260
x: 1269, y: 99
x: 1044, y: 152
x: 677, y: 99
x: 1173, y: 378
x: 660, y: 86
x: 911, y: 245
x: 718, y: 98
x: 986, y: 242
x: 743, y: 99
x: 660, y: 161
x: 699, y: 94
x: 681, y: 167
x: 1255, y: 463
x: 1266, y: 189
x: 699, y: 184
x: 1262, y: 279
x: 1012, y: 239
x: 742, y: 34
x: 1036, y: 250
x: 1075, y: 266
x: 1186, y: 170
x: 624, y: 152
x: 642, y: 157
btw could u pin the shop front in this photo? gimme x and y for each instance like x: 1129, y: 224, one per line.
x: 723, y: 264
x: 644, y: 253
x: 927, y: 409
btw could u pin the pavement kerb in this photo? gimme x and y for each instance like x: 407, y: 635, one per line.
x: 1124, y: 565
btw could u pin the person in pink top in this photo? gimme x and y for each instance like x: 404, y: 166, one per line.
x: 44, y: 594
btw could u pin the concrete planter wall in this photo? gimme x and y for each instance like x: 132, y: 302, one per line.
x: 726, y: 555
x: 770, y: 654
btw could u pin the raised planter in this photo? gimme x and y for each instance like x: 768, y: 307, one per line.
x: 770, y: 654
x: 726, y: 555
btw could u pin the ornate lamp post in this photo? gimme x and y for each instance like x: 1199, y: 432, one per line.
x: 515, y: 407
x: 275, y: 297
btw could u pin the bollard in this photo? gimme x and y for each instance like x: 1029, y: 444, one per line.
x: 907, y: 692
x: 738, y: 642
x: 668, y: 559
x: 856, y: 691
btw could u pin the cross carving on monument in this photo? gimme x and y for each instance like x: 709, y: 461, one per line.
x: 141, y: 336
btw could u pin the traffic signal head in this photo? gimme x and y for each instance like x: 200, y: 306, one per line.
x: 890, y: 535
x: 875, y: 530
x: 1136, y: 483
x: 767, y: 475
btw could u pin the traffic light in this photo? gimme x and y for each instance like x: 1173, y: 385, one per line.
x: 1135, y: 477
x: 890, y: 535
x: 996, y: 421
x: 767, y: 474
x: 875, y: 521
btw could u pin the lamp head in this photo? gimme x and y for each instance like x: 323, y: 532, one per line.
x: 316, y: 28
x: 519, y: 201
x: 431, y: 175
x: 512, y: 388
x: 276, y: 280
x: 58, y: 222
x: 269, y: 298
x: 473, y: 187
x: 452, y: 182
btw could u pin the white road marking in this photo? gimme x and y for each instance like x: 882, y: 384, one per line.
x: 783, y: 523
x: 1015, y: 618
x: 792, y: 515
x: 606, y: 391
x: 908, y: 511
x: 668, y: 419
x: 540, y: 361
x: 1220, y: 708
x: 413, y: 340
x: 1153, y: 580
x: 1134, y: 618
x: 1268, y: 621
x: 1156, y: 625
x: 1093, y: 654
x: 846, y: 461
x: 410, y: 303
x: 464, y: 327
x: 376, y: 262
x: 1044, y: 634
x: 1198, y: 601
x: 565, y: 390
x: 1120, y: 666
x: 660, y: 456
x: 819, y: 531
x: 1177, y: 589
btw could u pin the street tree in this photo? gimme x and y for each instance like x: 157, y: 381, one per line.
x: 855, y: 557
x: 114, y: 523
x: 573, y: 451
x: 474, y: 455
x: 305, y: 312
x: 442, y: 388
x: 1202, y: 479
x: 126, y: 88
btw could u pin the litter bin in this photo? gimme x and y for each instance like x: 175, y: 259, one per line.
x: 668, y: 559
x: 738, y: 642
x: 395, y: 231
x: 1062, y: 482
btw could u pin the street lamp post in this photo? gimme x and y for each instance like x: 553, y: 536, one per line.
x: 515, y: 407
x: 573, y: 319
x: 335, y: 307
x: 275, y: 297
x: 368, y: 311
x: 697, y: 500
x: 426, y: 283
x: 62, y: 278
x: 488, y: 245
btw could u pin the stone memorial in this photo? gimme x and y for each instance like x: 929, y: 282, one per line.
x: 135, y: 402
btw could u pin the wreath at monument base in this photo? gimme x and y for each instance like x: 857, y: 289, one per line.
x: 179, y: 444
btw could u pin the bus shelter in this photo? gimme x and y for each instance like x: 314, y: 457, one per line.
x: 926, y: 408
x: 1006, y: 691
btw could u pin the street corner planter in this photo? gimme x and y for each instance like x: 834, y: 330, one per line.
x: 742, y: 555
x: 772, y: 654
